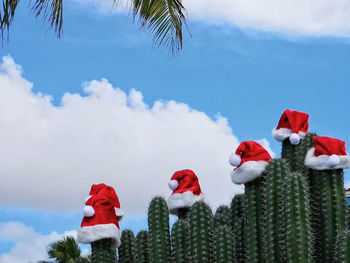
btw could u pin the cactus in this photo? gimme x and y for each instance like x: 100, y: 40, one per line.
x: 201, y: 235
x: 183, y: 213
x: 298, y: 227
x: 331, y: 210
x: 222, y: 217
x: 180, y: 236
x: 102, y: 251
x: 255, y: 228
x: 223, y: 244
x: 238, y: 224
x: 142, y: 247
x: 127, y: 249
x: 295, y: 154
x: 342, y: 247
x: 159, y: 236
x: 276, y: 173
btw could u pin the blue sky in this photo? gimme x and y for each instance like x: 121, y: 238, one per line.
x: 227, y: 71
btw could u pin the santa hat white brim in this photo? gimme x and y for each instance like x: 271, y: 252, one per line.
x: 248, y: 171
x: 120, y: 213
x: 186, y: 199
x: 283, y: 133
x: 89, y: 234
x: 321, y: 162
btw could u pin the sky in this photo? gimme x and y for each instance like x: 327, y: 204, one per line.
x: 101, y: 104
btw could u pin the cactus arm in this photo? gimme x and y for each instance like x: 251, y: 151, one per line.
x: 102, y: 252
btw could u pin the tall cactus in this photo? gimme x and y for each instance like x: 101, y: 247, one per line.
x: 332, y: 210
x: 180, y: 236
x: 238, y: 225
x: 159, y: 236
x: 223, y: 244
x: 297, y: 212
x: 102, y: 251
x: 127, y: 249
x: 201, y: 233
x: 276, y: 173
x: 142, y: 247
x: 255, y: 208
x: 222, y: 216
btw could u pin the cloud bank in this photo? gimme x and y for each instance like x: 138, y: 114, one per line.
x: 50, y: 156
x: 291, y: 17
x: 30, y: 245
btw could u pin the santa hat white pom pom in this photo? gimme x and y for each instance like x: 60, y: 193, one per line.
x: 333, y: 160
x: 88, y: 211
x: 234, y: 159
x: 294, y: 139
x: 173, y: 184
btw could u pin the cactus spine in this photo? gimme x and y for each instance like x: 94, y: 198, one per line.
x: 223, y: 244
x: 238, y: 225
x: 180, y: 236
x: 298, y: 227
x: 159, y: 236
x: 142, y: 247
x: 201, y: 235
x: 102, y: 251
x: 127, y: 248
x: 276, y: 172
x: 255, y: 205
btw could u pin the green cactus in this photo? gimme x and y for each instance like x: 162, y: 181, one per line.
x: 238, y: 225
x: 276, y: 174
x: 183, y: 213
x: 180, y: 236
x: 332, y: 211
x: 103, y: 252
x: 201, y: 233
x: 298, y: 226
x: 127, y: 249
x: 255, y: 209
x: 223, y: 244
x: 295, y: 154
x: 142, y: 247
x: 342, y: 247
x: 159, y: 236
x: 222, y: 216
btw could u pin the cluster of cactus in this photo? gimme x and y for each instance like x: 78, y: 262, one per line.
x: 290, y: 214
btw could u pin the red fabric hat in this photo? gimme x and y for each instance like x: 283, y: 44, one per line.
x: 250, y: 160
x: 101, y: 214
x: 293, y: 125
x: 327, y: 153
x: 186, y: 190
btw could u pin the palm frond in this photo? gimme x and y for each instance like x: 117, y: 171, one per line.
x: 52, y: 12
x: 7, y: 13
x: 165, y: 18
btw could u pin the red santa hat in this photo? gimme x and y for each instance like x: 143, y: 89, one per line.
x: 327, y: 153
x: 293, y: 125
x: 101, y: 214
x: 250, y: 160
x: 186, y: 190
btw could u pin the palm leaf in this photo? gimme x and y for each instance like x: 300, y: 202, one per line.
x: 7, y: 13
x: 165, y: 18
x: 52, y: 12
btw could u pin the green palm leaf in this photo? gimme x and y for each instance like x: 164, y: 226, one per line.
x: 164, y: 18
x: 51, y: 10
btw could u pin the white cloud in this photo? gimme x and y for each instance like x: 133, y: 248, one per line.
x: 300, y: 17
x: 50, y: 156
x: 30, y: 246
